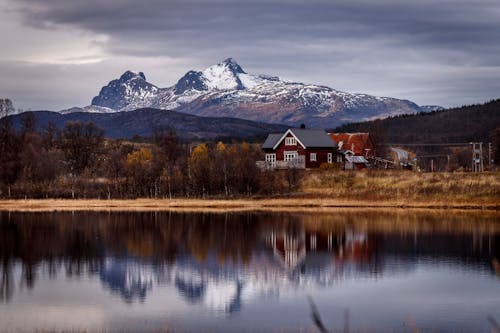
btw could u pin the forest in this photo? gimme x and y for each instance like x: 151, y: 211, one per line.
x: 78, y: 161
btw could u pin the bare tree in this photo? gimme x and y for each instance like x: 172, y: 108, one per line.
x: 81, y: 144
x: 9, y: 149
x: 6, y: 107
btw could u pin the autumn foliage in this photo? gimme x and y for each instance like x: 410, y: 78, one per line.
x: 79, y: 162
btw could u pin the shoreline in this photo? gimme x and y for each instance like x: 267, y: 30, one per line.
x: 280, y: 204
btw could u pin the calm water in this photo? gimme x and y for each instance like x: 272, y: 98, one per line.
x: 127, y: 272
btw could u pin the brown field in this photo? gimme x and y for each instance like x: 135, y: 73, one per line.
x: 407, y: 188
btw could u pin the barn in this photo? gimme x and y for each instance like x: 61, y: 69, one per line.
x: 355, y: 148
x: 360, y: 144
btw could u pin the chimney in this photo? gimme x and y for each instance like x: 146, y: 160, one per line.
x: 302, y: 126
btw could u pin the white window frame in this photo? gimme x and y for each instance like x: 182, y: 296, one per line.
x: 312, y: 157
x: 339, y: 158
x: 290, y: 155
x: 329, y: 157
x: 271, y: 159
x: 290, y: 141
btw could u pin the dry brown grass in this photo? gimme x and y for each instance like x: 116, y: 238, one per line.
x: 457, y: 189
x: 284, y: 204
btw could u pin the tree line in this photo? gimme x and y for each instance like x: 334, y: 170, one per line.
x: 469, y: 123
x: 77, y: 161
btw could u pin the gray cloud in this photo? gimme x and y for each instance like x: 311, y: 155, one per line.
x: 442, y: 52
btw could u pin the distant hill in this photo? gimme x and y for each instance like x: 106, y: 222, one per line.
x: 456, y: 125
x: 142, y: 122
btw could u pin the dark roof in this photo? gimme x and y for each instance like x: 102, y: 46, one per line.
x: 310, y: 138
x: 316, y: 138
x: 271, y: 140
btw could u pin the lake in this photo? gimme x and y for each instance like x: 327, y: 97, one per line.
x: 362, y: 270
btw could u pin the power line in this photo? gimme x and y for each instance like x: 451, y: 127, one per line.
x: 425, y: 144
x: 436, y: 155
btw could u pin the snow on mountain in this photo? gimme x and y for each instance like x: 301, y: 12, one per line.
x: 88, y: 108
x: 226, y: 90
x: 224, y: 76
x: 430, y: 108
x: 131, y: 89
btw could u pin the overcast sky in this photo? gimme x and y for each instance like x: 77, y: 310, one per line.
x: 56, y: 54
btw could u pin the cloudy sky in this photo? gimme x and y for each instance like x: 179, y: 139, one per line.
x: 57, y: 54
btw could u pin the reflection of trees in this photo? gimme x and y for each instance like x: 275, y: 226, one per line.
x: 6, y: 285
x: 82, y: 241
x: 79, y: 243
x: 7, y: 248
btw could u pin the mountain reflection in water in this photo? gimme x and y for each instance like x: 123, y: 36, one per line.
x: 224, y: 261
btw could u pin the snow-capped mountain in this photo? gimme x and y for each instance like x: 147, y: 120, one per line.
x: 226, y: 90
x: 130, y: 89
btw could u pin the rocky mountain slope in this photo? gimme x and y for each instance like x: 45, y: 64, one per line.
x: 226, y: 90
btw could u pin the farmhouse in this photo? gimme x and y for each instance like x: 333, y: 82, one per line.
x: 299, y: 148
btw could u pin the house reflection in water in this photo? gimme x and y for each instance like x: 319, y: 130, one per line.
x: 321, y: 257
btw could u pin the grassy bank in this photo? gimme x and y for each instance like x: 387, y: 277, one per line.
x: 282, y: 204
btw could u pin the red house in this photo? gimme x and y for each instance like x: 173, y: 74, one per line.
x: 299, y: 148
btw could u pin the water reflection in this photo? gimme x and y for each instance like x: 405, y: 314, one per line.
x: 224, y: 261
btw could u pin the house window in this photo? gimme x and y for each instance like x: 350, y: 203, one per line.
x: 271, y: 159
x: 339, y: 158
x: 290, y: 155
x: 329, y: 158
x: 312, y: 157
x: 290, y: 141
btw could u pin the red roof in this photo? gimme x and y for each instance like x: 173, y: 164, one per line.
x: 357, y: 142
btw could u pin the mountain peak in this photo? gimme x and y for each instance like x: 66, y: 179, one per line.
x: 128, y: 75
x: 192, y: 80
x: 233, y: 65
x: 223, y: 76
x: 130, y: 89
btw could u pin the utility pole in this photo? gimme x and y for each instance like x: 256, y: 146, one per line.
x: 489, y: 156
x: 477, y: 157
